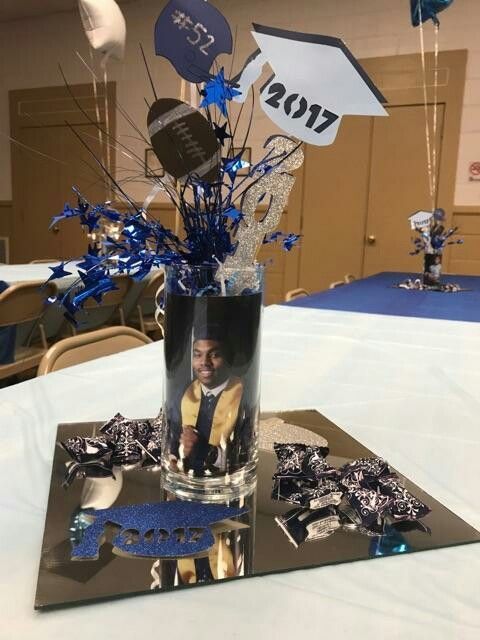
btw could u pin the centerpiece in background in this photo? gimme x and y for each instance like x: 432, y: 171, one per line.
x: 431, y: 239
x: 214, y: 285
x: 432, y: 236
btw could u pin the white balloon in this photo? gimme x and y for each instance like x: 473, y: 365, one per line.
x: 104, y: 26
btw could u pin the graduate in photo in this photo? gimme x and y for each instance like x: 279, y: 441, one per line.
x: 210, y: 423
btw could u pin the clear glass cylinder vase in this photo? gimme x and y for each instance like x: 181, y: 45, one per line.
x: 432, y: 269
x: 212, y: 388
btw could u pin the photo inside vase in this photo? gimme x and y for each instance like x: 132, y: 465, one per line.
x: 432, y: 269
x: 212, y: 347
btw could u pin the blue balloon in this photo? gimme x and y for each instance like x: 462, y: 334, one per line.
x: 428, y: 10
x: 191, y: 34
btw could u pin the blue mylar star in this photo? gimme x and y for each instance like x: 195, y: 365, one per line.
x: 95, y: 291
x: 272, y: 237
x: 90, y: 220
x: 217, y: 92
x: 233, y: 213
x: 290, y: 240
x: 111, y: 214
x: 221, y: 132
x: 232, y: 165
x: 58, y: 272
x: 90, y: 260
x: 135, y: 230
x: 68, y: 212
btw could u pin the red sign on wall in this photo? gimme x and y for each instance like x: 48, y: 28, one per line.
x: 474, y: 171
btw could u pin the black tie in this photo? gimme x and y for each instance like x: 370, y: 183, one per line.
x: 210, y: 398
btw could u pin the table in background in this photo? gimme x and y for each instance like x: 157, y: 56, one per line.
x: 407, y: 388
x: 15, y: 273
x: 53, y: 319
x: 377, y: 294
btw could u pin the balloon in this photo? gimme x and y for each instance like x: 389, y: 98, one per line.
x: 427, y: 9
x: 183, y: 140
x: 191, y: 34
x: 104, y: 26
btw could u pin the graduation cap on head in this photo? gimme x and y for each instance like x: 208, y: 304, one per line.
x: 209, y: 332
x: 316, y: 81
x: 420, y: 219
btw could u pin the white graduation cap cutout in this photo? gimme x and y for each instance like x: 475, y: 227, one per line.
x: 420, y: 219
x: 316, y: 81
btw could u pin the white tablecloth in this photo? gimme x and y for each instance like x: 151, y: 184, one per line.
x: 53, y: 318
x: 407, y: 388
x: 14, y: 273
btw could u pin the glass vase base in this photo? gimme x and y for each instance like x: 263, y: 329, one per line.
x: 215, y: 489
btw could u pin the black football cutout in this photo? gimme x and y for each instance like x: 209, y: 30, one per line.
x: 183, y: 140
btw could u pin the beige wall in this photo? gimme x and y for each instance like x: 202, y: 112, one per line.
x: 30, y: 51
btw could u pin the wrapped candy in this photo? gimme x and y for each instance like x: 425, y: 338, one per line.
x: 288, y: 490
x: 129, y: 438
x: 303, y: 525
x: 307, y: 494
x: 127, y: 450
x: 365, y: 495
x: 362, y: 472
x: 351, y: 521
x: 302, y: 461
x: 115, y: 427
x: 91, y: 458
x: 369, y: 467
x: 92, y: 469
x: 122, y: 442
x: 405, y: 506
x: 154, y: 444
x: 351, y: 480
x: 368, y: 504
x: 316, y: 466
x: 87, y: 449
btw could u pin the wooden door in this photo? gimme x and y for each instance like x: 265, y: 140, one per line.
x: 335, y: 197
x: 375, y: 175
x: 49, y: 160
x: 398, y: 186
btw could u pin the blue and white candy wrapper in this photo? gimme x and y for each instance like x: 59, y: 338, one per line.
x: 365, y: 493
x: 123, y: 443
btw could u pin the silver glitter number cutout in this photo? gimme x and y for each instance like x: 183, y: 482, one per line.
x: 276, y: 184
x: 183, y: 21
